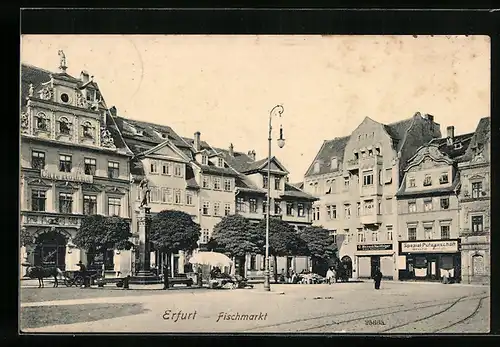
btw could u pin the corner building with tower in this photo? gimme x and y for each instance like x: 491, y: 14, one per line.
x: 356, y: 179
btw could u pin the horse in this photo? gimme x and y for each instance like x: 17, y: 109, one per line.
x: 40, y: 273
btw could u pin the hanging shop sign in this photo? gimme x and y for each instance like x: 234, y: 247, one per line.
x: 444, y: 246
x: 375, y: 247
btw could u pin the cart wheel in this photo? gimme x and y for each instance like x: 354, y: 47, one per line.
x: 78, y: 281
x: 68, y: 283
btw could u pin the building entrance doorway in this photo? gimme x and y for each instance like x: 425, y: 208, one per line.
x: 432, y: 268
x: 347, y: 264
x: 239, y: 265
x: 50, y: 250
x: 375, y: 264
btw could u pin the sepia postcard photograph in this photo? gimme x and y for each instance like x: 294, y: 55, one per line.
x: 333, y: 184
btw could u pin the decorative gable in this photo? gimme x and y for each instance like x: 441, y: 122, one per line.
x: 92, y: 188
x: 428, y: 157
x: 39, y: 182
x: 166, y: 150
x: 115, y: 190
x: 66, y: 185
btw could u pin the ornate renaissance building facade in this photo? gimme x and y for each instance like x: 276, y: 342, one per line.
x: 73, y: 163
x: 356, y: 178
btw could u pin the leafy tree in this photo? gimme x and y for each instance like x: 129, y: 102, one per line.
x: 283, y: 240
x: 98, y: 233
x: 173, y: 231
x: 236, y: 236
x: 27, y: 237
x: 320, y: 245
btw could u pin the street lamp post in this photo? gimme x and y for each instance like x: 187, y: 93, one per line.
x: 277, y: 110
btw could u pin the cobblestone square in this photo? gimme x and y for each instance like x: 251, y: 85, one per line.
x: 340, y: 308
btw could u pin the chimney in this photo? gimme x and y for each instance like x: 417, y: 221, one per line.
x: 451, y: 131
x: 231, y: 150
x: 84, y: 76
x: 113, y: 111
x: 197, y: 143
x: 430, y: 117
x: 251, y: 154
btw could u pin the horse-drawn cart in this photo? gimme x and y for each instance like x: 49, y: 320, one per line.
x: 75, y: 277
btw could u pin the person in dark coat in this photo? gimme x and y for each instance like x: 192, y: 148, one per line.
x: 83, y: 274
x: 377, y: 277
x: 165, y: 276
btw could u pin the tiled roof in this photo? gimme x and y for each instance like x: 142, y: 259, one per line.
x: 217, y: 170
x: 294, y: 192
x: 238, y: 161
x: 453, y: 151
x: 203, y: 145
x: 245, y: 185
x: 482, y: 135
x: 151, y: 133
x: 34, y: 75
x: 398, y: 129
x: 336, y: 147
x: 255, y: 165
x: 328, y: 150
x: 191, y: 183
x: 403, y: 193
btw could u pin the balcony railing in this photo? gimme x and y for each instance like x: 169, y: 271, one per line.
x: 370, y: 219
x: 352, y: 164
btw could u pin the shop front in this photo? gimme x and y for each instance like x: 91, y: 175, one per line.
x: 373, y: 256
x: 429, y: 260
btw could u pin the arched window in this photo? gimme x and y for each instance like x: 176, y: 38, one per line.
x: 87, y: 130
x: 64, y: 126
x: 42, y: 121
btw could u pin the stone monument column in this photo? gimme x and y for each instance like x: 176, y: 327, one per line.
x: 144, y: 275
x: 144, y: 253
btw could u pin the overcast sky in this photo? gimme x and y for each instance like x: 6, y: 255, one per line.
x: 225, y: 86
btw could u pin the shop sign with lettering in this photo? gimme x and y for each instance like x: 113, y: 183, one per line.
x: 375, y: 247
x: 446, y: 246
x: 67, y: 176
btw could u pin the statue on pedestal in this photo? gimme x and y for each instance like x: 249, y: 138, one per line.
x: 145, y: 191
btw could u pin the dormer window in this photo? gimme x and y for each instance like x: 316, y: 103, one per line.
x: 316, y: 167
x: 458, y: 145
x: 204, y: 160
x: 220, y: 162
x: 427, y: 180
x: 443, y: 179
x: 334, y: 163
x: 140, y: 132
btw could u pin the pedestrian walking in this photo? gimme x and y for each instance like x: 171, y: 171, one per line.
x: 83, y: 274
x: 165, y: 276
x: 329, y: 276
x: 377, y: 277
